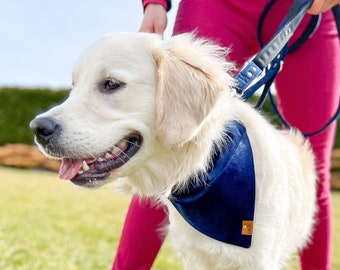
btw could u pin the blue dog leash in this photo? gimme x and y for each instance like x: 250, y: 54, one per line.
x: 269, y: 60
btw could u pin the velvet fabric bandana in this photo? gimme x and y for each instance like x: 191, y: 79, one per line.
x: 222, y: 204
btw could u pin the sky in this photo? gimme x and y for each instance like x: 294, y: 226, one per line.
x: 41, y: 40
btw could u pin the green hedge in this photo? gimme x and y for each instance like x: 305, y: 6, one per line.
x: 18, y: 106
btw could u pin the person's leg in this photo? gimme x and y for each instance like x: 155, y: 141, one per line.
x: 142, y: 235
x: 308, y: 92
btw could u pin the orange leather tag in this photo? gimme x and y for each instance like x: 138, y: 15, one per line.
x: 247, y: 227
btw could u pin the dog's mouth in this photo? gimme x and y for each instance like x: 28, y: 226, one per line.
x: 87, y: 172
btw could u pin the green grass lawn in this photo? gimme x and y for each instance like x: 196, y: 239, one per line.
x: 46, y: 223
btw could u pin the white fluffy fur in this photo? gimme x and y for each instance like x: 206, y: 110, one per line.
x: 178, y: 96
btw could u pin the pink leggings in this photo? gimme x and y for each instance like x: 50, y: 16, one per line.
x: 308, y: 94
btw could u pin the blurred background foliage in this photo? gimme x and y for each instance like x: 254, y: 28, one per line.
x: 18, y: 106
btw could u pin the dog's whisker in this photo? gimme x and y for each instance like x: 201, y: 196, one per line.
x: 131, y: 142
x: 135, y: 145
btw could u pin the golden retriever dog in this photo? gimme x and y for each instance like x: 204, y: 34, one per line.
x: 156, y: 115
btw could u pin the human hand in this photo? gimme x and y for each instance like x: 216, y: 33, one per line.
x: 320, y: 6
x: 155, y: 19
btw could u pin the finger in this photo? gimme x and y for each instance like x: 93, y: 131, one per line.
x: 159, y: 29
x: 320, y: 6
x: 147, y: 28
x: 316, y: 7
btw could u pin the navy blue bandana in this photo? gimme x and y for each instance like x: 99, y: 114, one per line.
x: 222, y: 205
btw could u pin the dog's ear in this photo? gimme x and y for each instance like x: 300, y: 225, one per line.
x: 191, y: 75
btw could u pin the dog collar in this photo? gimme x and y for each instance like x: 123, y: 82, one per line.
x: 222, y: 204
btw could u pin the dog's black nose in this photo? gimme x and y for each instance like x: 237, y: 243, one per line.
x: 45, y: 129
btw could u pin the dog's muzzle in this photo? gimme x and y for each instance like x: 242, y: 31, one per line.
x: 87, y: 171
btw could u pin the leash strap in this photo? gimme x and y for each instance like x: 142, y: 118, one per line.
x: 275, y: 49
x: 336, y: 13
x: 285, y: 123
x: 315, y: 20
x: 308, y: 31
x: 268, y: 62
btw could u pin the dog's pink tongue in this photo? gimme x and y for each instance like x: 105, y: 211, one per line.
x: 69, y: 168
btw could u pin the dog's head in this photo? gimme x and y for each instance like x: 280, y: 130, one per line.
x: 133, y: 96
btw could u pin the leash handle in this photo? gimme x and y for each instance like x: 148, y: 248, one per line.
x: 276, y: 47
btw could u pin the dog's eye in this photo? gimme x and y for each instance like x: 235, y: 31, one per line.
x: 111, y: 85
